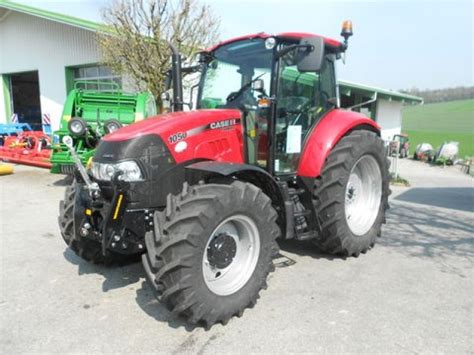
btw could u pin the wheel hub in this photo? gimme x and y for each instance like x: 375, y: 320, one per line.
x: 231, y: 255
x: 353, y: 188
x: 363, y: 195
x: 221, y: 251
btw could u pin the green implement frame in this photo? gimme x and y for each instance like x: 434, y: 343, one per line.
x: 95, y: 107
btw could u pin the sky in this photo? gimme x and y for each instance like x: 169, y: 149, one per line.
x: 396, y: 44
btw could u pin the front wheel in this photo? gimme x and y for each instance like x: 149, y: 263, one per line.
x: 211, y: 250
x: 351, y: 195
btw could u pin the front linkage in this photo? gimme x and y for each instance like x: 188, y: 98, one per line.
x: 104, y: 223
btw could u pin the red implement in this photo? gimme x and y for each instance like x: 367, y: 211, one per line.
x: 28, y: 148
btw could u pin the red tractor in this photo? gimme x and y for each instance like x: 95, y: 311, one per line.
x: 204, y: 195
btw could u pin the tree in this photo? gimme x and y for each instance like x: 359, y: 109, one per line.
x: 136, y: 42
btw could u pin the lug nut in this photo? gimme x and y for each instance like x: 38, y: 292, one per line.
x: 147, y: 218
x: 124, y: 245
x: 140, y: 246
x: 112, y: 245
x: 116, y: 238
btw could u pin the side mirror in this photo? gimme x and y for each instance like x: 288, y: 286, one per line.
x: 311, y: 60
x: 258, y: 85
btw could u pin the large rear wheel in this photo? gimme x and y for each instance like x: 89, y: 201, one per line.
x: 351, y: 195
x: 211, y: 250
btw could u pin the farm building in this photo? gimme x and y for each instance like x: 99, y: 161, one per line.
x: 43, y: 54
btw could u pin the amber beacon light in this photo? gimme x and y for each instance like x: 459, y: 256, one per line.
x: 346, y: 31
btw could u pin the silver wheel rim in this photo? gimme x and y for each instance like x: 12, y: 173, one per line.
x: 363, y: 195
x: 228, y: 280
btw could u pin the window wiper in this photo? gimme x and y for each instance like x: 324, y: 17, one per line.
x: 234, y: 95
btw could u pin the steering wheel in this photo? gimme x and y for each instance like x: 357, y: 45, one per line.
x: 294, y: 104
x: 233, y: 95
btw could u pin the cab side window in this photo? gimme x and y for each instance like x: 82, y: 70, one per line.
x: 302, y: 99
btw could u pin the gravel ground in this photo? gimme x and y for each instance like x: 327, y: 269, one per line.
x: 412, y: 293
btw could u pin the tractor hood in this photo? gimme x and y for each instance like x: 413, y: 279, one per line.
x: 184, y: 136
x: 169, y: 124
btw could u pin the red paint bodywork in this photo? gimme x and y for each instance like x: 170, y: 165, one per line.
x: 289, y: 35
x: 324, y: 137
x: 28, y: 149
x: 220, y: 144
x: 226, y: 144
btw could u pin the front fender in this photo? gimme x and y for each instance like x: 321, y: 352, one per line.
x: 325, y: 135
x: 243, y: 172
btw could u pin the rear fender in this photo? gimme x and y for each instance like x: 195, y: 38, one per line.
x: 325, y: 135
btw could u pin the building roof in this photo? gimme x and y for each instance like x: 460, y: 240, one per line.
x: 347, y: 86
x: 52, y: 16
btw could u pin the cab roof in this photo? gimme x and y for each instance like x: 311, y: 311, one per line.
x: 284, y: 35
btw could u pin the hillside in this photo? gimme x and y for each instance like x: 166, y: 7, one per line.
x: 440, y: 122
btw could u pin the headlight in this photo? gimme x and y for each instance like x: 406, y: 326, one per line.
x: 104, y: 172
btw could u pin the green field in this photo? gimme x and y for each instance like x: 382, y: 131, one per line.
x: 441, y: 122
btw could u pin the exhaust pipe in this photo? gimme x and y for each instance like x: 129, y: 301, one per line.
x: 177, y: 79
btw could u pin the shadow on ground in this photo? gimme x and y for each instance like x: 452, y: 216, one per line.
x: 423, y: 231
x: 65, y: 180
x: 303, y: 248
x: 457, y: 198
x: 118, y: 276
x: 115, y: 276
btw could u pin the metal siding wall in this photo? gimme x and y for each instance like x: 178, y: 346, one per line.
x: 31, y: 43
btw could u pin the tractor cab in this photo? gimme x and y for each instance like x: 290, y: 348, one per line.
x: 282, y: 85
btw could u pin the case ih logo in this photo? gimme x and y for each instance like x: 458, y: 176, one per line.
x: 223, y: 124
x: 176, y: 137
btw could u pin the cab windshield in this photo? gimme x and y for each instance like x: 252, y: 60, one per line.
x: 228, y: 75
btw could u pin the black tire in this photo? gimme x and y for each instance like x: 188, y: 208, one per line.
x: 330, y: 193
x: 175, y: 249
x: 87, y: 249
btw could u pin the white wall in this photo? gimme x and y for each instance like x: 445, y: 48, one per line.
x: 389, y: 117
x: 30, y: 43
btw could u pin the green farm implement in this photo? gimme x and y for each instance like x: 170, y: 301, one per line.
x: 88, y: 115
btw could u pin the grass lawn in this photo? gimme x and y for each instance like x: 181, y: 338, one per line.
x: 441, y: 122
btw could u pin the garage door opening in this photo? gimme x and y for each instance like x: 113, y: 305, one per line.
x: 26, y: 98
